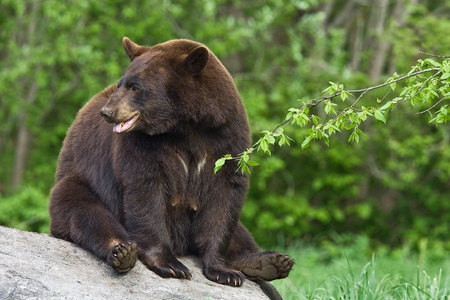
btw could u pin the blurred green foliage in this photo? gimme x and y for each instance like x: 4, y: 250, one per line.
x: 346, y: 267
x: 391, y: 186
x: 26, y: 209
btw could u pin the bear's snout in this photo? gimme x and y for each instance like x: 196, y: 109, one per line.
x: 107, y: 114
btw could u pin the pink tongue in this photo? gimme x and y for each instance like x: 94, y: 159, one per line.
x: 121, y: 127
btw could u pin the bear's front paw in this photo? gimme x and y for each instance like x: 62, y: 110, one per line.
x: 166, y: 266
x: 174, y: 270
x: 224, y: 276
x: 123, y: 256
x: 266, y: 266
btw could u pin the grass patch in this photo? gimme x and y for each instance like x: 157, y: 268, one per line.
x: 353, y: 271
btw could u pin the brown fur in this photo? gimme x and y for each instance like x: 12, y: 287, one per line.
x: 150, y: 192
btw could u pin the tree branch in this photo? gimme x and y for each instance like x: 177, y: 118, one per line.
x: 316, y: 101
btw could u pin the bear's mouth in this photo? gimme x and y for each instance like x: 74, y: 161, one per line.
x: 125, y: 125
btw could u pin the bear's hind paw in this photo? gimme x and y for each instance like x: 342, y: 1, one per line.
x: 265, y: 266
x: 123, y: 256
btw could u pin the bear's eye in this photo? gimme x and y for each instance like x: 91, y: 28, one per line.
x: 134, y: 88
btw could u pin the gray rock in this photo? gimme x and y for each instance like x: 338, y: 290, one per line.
x: 37, y: 266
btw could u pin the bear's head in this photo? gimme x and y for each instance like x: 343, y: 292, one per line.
x: 172, y: 85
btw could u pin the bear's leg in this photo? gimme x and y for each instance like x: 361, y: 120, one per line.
x: 78, y: 216
x: 212, y: 238
x: 244, y: 255
x: 150, y: 230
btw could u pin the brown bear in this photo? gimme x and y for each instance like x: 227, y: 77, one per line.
x: 141, y: 185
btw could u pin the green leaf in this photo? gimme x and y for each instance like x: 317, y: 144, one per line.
x: 354, y: 137
x: 284, y: 140
x: 445, y: 76
x: 301, y: 119
x: 245, y: 169
x: 289, y: 114
x: 270, y: 139
x: 387, y: 105
x: 245, y: 157
x: 359, y: 131
x: 331, y: 89
x: 306, y: 142
x: 344, y: 95
x: 362, y: 116
x: 263, y: 145
x: 432, y: 62
x: 315, y: 119
x: 329, y: 107
x: 380, y: 116
x: 219, y: 164
x: 393, y: 86
x: 252, y: 163
x: 306, y: 110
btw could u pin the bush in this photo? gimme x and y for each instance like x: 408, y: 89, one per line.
x: 26, y: 209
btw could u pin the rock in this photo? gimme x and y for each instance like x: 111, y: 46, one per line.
x: 38, y: 266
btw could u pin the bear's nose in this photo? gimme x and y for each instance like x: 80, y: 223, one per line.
x: 107, y: 114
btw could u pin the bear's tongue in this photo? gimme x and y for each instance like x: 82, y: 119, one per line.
x: 123, y: 126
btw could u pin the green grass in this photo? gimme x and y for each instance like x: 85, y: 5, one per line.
x: 353, y: 271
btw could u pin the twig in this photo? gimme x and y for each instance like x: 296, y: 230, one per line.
x: 433, y: 106
x: 394, y: 81
x: 434, y: 55
x: 424, y: 83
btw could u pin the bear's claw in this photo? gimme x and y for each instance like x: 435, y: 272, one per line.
x: 224, y: 276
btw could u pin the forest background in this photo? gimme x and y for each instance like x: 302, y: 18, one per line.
x: 390, y: 188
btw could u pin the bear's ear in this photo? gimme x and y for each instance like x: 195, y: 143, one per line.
x: 133, y: 50
x: 197, y: 60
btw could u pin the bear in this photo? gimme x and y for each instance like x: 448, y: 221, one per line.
x: 135, y: 176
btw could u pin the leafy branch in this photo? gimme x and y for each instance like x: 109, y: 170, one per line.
x: 426, y: 82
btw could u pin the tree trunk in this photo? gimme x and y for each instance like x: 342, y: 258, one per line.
x: 24, y: 137
x: 23, y: 140
x: 357, y: 42
x: 382, y: 44
x: 345, y: 16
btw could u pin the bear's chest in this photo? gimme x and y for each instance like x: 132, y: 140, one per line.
x: 191, y: 164
x: 190, y: 183
x: 177, y: 169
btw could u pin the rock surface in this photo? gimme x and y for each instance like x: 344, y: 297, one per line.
x: 37, y: 266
